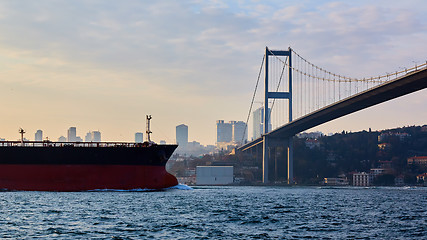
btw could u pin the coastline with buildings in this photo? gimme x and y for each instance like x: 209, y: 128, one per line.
x: 341, y: 159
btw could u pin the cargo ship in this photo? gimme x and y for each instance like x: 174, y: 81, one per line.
x: 83, y: 166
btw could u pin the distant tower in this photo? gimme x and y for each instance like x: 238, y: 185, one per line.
x: 240, y: 133
x: 258, y: 122
x: 139, y: 137
x: 71, y: 135
x: 38, y: 136
x: 96, y: 136
x: 224, y: 131
x: 182, y: 136
x: 88, y: 137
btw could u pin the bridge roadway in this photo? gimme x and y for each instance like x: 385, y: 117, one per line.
x: 411, y: 82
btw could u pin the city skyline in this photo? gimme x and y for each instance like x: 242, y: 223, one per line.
x: 71, y: 136
x: 107, y: 69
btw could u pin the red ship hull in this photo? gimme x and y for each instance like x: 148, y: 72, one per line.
x: 83, y: 166
x: 84, y: 177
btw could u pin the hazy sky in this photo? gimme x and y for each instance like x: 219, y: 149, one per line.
x: 103, y: 65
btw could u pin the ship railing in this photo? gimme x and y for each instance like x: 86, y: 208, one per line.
x: 68, y: 144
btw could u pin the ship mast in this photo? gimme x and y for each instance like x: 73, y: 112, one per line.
x: 21, y: 131
x: 148, y: 128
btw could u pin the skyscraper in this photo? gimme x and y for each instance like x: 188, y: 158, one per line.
x: 182, y: 136
x: 240, y: 133
x: 96, y: 136
x: 224, y: 131
x: 139, y: 137
x: 258, y: 122
x: 88, y: 137
x: 258, y: 118
x: 38, y: 136
x: 71, y: 134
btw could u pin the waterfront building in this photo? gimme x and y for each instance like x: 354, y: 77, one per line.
x: 399, y: 180
x: 419, y: 161
x: 38, y: 136
x: 361, y: 179
x: 422, y: 179
x: 71, y: 135
x: 214, y: 175
x: 139, y: 137
x: 182, y: 136
x: 62, y: 139
x: 224, y: 131
x: 375, y: 172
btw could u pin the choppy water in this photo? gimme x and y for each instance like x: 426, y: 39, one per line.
x: 218, y: 213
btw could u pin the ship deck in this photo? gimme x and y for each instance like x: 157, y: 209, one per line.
x: 73, y: 144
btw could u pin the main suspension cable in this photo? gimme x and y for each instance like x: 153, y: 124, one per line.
x: 253, y: 98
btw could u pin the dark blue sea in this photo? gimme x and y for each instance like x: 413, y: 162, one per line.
x: 217, y: 213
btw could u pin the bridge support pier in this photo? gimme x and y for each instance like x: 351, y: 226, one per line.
x: 265, y: 159
x: 270, y: 146
x: 291, y: 161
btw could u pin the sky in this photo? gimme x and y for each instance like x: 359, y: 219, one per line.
x: 104, y: 65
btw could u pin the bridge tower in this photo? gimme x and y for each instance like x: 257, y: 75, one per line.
x: 267, y: 142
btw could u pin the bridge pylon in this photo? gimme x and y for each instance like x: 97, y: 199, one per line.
x: 276, y: 95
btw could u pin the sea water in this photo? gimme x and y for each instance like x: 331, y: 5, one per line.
x: 217, y: 213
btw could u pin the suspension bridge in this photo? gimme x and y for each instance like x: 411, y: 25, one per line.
x: 298, y: 95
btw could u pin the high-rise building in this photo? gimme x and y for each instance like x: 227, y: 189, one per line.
x: 38, y: 136
x: 239, y: 132
x: 258, y: 122
x: 224, y: 131
x: 258, y: 117
x: 182, y: 136
x: 71, y: 134
x: 96, y: 136
x: 88, y: 137
x: 139, y: 137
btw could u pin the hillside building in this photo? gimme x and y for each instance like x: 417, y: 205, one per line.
x: 361, y: 179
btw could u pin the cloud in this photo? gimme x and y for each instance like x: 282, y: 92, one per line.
x: 202, y: 56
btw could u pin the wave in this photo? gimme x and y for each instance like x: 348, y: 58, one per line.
x: 181, y: 187
x: 178, y: 187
